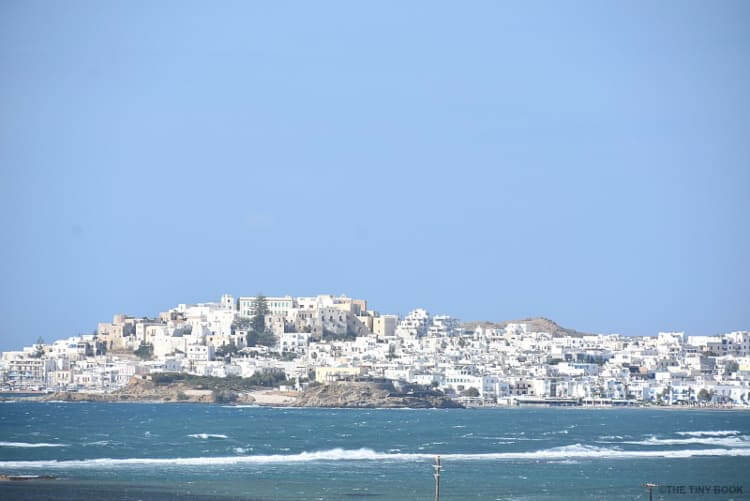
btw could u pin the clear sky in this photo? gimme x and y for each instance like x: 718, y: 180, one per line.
x: 584, y: 161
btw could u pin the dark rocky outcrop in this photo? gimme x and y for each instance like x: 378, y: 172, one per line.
x: 373, y: 395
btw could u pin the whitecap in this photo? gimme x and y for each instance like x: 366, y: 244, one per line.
x: 740, y: 441
x: 27, y: 444
x: 711, y: 433
x: 576, y: 451
x: 206, y: 436
x: 99, y: 442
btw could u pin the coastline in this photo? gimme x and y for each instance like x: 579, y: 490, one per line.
x: 274, y: 398
x: 341, y: 395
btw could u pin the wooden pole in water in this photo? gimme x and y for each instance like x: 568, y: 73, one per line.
x: 437, y: 478
x: 650, y: 488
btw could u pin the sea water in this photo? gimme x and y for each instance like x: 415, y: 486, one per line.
x: 200, y: 451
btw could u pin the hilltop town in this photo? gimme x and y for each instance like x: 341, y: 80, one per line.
x: 296, y: 344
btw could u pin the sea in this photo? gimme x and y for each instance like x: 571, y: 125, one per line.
x: 134, y: 451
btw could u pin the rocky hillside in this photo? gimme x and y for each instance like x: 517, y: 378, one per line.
x: 371, y: 395
x: 141, y: 390
x: 535, y: 324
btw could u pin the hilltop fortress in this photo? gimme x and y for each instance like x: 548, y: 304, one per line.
x: 293, y: 343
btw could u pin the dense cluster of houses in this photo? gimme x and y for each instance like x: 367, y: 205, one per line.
x: 325, y: 338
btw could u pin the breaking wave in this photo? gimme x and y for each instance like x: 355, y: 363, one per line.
x: 559, y: 432
x: 568, y: 452
x: 717, y: 433
x: 26, y: 444
x: 726, y: 441
x: 207, y: 436
x: 98, y: 443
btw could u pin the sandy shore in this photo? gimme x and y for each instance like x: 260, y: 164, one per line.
x: 274, y: 397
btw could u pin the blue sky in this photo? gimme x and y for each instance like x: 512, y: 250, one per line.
x: 586, y: 161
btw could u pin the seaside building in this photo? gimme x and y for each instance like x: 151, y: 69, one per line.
x: 328, y: 338
x: 414, y: 325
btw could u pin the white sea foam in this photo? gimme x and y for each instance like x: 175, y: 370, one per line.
x: 576, y: 451
x: 253, y: 406
x: 27, y: 444
x: 99, y: 442
x: 711, y: 433
x: 206, y: 436
x: 739, y: 441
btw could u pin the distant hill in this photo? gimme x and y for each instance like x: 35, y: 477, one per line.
x: 535, y: 324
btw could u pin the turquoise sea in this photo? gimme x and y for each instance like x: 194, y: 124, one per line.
x: 197, y: 451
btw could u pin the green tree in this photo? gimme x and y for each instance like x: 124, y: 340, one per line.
x: 269, y: 378
x: 470, y: 392
x: 252, y: 338
x: 240, y: 324
x: 145, y: 351
x: 391, y: 352
x: 731, y: 367
x: 666, y: 393
x: 703, y: 395
x: 39, y: 350
x: 227, y: 349
x: 260, y: 310
x: 264, y: 338
x: 100, y: 347
x: 224, y: 396
x: 257, y: 332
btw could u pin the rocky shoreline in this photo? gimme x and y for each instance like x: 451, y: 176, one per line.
x: 142, y: 390
x: 369, y: 395
x: 342, y: 395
